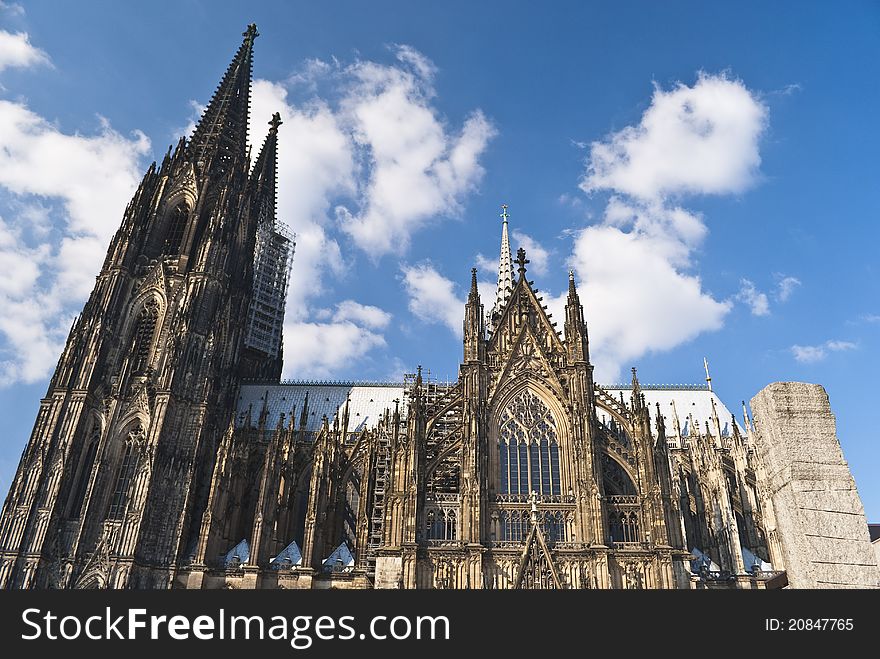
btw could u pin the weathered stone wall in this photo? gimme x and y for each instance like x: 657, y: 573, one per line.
x: 816, y: 516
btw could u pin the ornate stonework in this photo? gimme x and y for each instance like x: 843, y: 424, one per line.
x: 166, y: 453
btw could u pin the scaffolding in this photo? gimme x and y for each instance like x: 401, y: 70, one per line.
x: 273, y: 260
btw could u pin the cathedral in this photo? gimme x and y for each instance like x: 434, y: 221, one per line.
x: 168, y: 453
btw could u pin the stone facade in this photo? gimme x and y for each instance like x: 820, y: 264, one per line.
x: 167, y: 454
x: 816, y: 523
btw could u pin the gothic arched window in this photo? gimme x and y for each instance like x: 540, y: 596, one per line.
x: 78, y: 495
x: 176, y: 226
x: 143, y: 336
x: 125, y: 475
x: 528, y: 448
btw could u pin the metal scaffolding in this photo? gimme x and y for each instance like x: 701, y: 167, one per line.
x: 273, y: 259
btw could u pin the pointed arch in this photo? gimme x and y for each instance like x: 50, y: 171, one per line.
x: 133, y: 444
x: 83, y: 475
x: 529, y: 435
x: 617, y: 478
x: 143, y: 336
x: 176, y: 221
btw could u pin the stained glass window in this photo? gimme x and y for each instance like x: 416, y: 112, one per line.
x: 529, y: 448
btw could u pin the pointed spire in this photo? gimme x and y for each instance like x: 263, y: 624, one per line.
x: 221, y: 135
x: 746, y: 420
x: 575, y: 327
x: 474, y: 293
x: 264, y: 176
x: 505, y: 266
x: 708, y: 377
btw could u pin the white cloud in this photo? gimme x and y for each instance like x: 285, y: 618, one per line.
x: 785, y: 287
x: 372, y: 317
x: 757, y: 301
x: 487, y: 264
x: 16, y: 50
x: 535, y: 252
x: 432, y: 297
x: 416, y: 170
x: 317, y: 350
x: 639, y: 290
x: 816, y: 353
x: 635, y: 301
x: 423, y: 67
x: 49, y: 258
x: 698, y: 140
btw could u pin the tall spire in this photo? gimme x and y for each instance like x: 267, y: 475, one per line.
x: 221, y: 134
x: 263, y: 178
x: 505, y: 266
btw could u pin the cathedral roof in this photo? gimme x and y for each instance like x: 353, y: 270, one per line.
x: 368, y: 401
x: 693, y: 405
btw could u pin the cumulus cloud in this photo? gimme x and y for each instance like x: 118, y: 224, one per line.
x: 817, y: 353
x: 753, y: 298
x: 691, y: 140
x: 432, y: 297
x: 635, y: 300
x: 16, y: 51
x: 640, y: 288
x: 372, y: 317
x: 318, y: 350
x: 67, y: 192
x: 416, y: 168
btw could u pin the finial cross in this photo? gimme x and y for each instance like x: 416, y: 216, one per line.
x: 504, y: 215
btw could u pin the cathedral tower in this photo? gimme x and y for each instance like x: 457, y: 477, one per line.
x: 113, y: 482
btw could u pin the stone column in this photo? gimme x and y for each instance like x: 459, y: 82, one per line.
x: 819, y: 518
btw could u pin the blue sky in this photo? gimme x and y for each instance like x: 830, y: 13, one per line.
x: 708, y: 171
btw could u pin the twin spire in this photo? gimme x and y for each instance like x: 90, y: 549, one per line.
x: 264, y: 173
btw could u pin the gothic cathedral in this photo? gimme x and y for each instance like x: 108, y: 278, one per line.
x: 168, y: 454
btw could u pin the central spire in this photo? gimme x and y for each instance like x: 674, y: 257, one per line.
x: 505, y: 266
x: 221, y: 135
